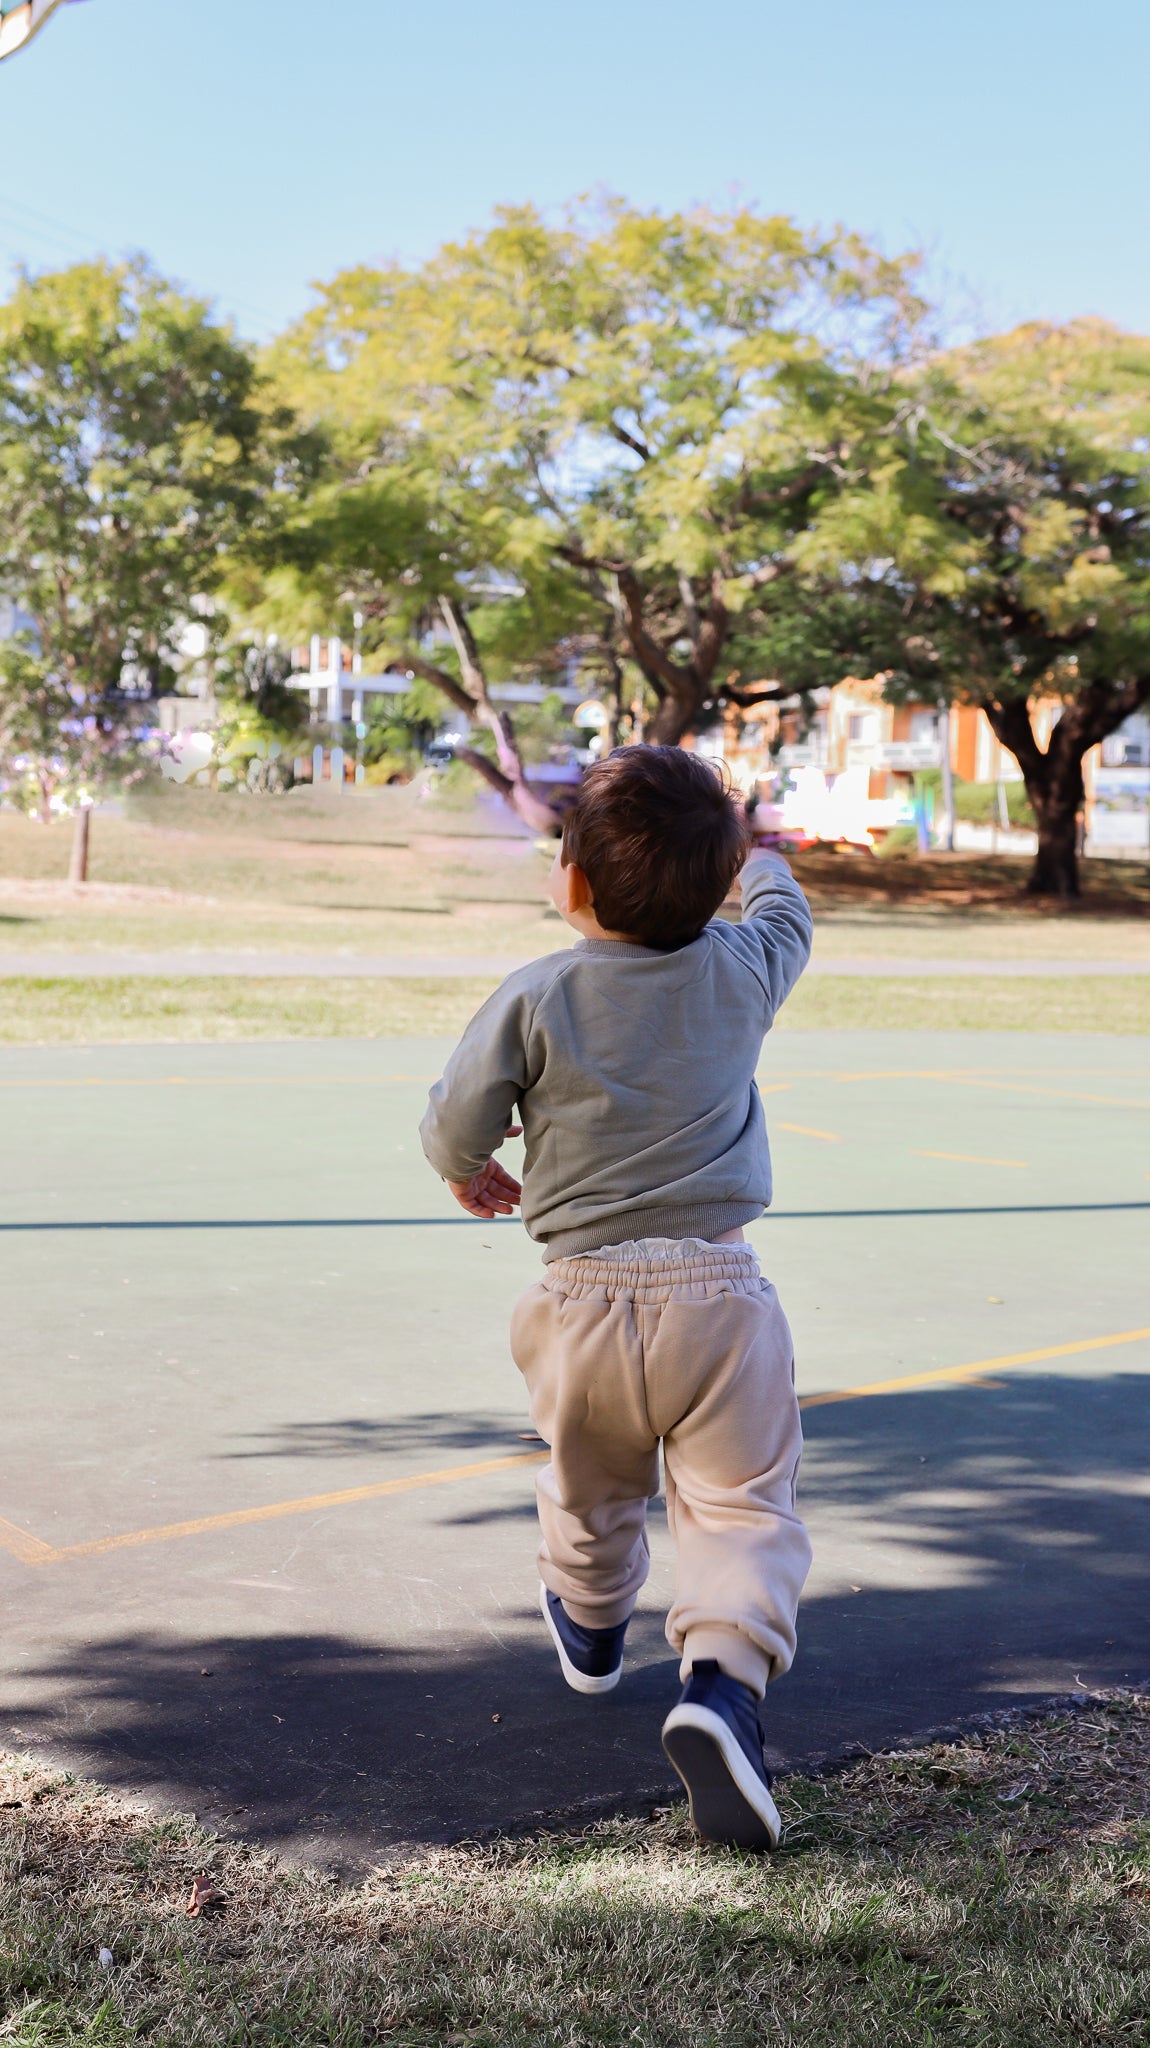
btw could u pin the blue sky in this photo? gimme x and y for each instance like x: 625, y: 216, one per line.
x: 250, y: 146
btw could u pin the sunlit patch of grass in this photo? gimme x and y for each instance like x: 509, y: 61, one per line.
x: 990, y: 1892
x: 1118, y: 1003
x: 226, y: 1010
x: 125, y: 1009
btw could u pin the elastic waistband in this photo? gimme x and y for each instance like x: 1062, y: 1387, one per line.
x: 657, y: 1272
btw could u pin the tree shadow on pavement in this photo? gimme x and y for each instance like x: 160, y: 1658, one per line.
x: 338, y: 1751
x: 365, y: 1436
x: 975, y: 1546
x: 999, y: 1538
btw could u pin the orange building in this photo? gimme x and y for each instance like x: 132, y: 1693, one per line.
x: 855, y: 729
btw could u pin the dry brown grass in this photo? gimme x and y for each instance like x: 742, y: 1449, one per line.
x: 384, y: 875
x: 991, y: 1891
x: 957, y: 883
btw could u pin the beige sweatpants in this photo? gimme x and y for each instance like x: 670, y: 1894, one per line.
x: 684, y: 1344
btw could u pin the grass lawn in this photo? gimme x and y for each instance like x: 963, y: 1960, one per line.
x: 386, y: 873
x: 123, y: 1009
x: 392, y: 874
x: 991, y: 1892
x: 199, y: 880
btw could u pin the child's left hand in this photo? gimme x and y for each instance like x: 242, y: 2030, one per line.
x: 490, y: 1192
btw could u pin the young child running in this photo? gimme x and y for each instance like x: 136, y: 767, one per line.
x: 630, y: 1061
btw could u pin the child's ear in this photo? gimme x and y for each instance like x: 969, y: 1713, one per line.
x: 579, y: 895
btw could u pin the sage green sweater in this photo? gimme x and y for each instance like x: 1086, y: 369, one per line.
x: 633, y: 1075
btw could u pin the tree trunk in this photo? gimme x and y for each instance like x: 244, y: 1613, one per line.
x: 683, y: 688
x: 675, y: 718
x: 1054, y: 783
x: 1057, y: 800
x: 78, y: 865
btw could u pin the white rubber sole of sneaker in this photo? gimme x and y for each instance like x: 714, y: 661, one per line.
x: 577, y: 1680
x: 729, y: 1801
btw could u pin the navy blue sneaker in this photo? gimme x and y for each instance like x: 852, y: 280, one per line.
x: 714, y: 1741
x: 591, y: 1658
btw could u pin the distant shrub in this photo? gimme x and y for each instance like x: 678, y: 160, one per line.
x: 389, y: 768
x: 900, y: 841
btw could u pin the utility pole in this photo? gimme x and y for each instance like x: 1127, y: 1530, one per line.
x: 947, y: 780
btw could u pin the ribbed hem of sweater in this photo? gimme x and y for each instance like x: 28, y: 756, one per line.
x: 707, y: 1220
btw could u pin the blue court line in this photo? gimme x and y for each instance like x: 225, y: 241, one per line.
x: 505, y: 1222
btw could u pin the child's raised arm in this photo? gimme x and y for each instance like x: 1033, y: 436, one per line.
x: 775, y: 935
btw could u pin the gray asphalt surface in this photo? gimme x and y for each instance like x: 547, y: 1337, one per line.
x: 268, y: 1538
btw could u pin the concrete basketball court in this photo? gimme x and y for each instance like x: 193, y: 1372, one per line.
x: 267, y: 1547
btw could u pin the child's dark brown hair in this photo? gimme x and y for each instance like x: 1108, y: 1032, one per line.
x: 660, y: 838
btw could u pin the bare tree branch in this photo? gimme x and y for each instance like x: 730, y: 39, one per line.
x: 488, y: 770
x: 442, y: 679
x: 712, y: 634
x: 746, y: 699
x: 670, y: 677
x: 637, y: 447
x: 690, y: 607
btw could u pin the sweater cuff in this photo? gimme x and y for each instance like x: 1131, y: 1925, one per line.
x: 765, y: 856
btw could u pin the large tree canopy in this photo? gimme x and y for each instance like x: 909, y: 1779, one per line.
x: 703, y: 454
x: 1002, y: 540
x: 137, y: 445
x: 601, y: 439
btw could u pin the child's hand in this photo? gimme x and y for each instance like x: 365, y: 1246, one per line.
x: 492, y: 1191
x: 775, y: 842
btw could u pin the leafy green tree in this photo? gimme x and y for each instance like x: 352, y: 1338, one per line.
x: 998, y: 551
x: 55, y: 750
x: 137, y: 445
x: 588, y: 447
x: 400, y: 728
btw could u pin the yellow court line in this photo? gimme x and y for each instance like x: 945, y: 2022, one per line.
x: 221, y: 1081
x: 967, y: 1158
x: 1026, y: 1088
x: 930, y: 1074
x: 968, y: 1077
x: 979, y: 1366
x: 30, y: 1550
x: 134, y: 1539
x: 961, y: 1078
x: 805, y: 1131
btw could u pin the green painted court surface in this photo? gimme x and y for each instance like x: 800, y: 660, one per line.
x: 253, y: 1352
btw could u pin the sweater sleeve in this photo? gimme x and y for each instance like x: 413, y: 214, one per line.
x: 777, y: 929
x: 468, y: 1111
